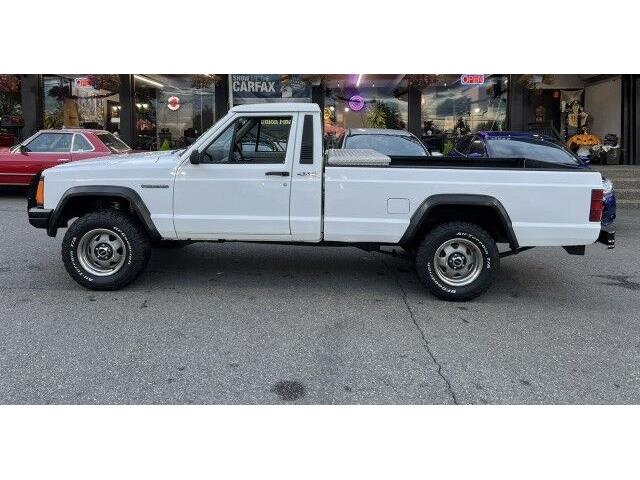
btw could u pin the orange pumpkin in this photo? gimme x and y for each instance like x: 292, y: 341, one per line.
x: 583, y: 139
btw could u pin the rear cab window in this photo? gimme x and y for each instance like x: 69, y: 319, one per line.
x: 113, y: 143
x: 81, y: 144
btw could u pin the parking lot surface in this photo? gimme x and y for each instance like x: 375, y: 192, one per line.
x: 246, y: 323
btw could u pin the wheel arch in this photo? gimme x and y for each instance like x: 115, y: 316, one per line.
x: 85, y: 198
x: 483, y: 210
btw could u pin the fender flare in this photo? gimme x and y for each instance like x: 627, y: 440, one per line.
x: 421, y: 215
x: 134, y: 199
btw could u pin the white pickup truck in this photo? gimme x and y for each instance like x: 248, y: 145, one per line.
x: 260, y: 175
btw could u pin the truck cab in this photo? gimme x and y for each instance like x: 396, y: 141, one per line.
x: 259, y: 172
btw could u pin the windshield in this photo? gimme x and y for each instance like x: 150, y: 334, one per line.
x: 113, y: 143
x: 391, y: 145
x: 531, y: 148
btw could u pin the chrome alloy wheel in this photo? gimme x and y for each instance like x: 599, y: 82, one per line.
x: 458, y: 262
x: 102, y: 252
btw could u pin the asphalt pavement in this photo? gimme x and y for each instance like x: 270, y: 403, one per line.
x: 239, y: 323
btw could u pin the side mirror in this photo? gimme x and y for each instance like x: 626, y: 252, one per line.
x: 195, y: 157
x: 23, y: 149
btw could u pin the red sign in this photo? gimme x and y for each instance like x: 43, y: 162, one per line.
x: 173, y: 103
x: 470, y: 79
x: 82, y: 82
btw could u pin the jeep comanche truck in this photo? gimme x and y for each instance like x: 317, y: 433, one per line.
x: 260, y: 175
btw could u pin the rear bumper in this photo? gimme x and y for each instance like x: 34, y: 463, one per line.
x: 607, y: 236
x: 39, y: 217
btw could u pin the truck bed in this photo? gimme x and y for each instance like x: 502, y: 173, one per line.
x: 376, y: 203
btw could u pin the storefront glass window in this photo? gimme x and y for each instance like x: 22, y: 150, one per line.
x: 10, y: 111
x: 88, y: 101
x: 364, y: 101
x: 261, y: 88
x: 172, y: 111
x: 454, y: 105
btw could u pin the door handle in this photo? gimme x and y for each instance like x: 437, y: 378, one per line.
x: 279, y: 174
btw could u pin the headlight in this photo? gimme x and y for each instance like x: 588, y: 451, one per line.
x: 607, y: 186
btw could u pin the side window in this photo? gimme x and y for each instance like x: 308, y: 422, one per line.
x: 51, y: 142
x: 477, y: 148
x: 251, y: 140
x: 219, y: 150
x: 81, y: 144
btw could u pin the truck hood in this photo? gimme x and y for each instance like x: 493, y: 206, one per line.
x: 124, y: 160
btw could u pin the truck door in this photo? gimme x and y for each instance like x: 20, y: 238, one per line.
x: 241, y: 187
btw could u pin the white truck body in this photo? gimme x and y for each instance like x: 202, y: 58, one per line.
x: 315, y: 202
x: 361, y: 204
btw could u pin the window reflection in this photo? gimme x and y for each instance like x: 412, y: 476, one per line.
x: 172, y: 111
x: 451, y: 108
x: 88, y: 101
x: 364, y: 101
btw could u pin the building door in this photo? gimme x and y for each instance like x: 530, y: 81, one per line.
x: 544, y: 108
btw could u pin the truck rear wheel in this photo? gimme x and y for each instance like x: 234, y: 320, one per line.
x: 105, y: 250
x: 457, y: 261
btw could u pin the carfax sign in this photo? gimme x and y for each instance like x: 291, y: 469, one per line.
x: 274, y: 87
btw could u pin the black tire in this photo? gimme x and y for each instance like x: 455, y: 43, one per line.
x: 135, y: 254
x: 436, y: 281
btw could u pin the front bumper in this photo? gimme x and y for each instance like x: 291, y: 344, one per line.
x: 39, y: 217
x: 607, y: 236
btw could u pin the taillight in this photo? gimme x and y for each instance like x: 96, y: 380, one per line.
x: 595, y: 214
x: 40, y: 194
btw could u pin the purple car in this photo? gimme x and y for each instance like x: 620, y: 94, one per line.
x: 531, y: 146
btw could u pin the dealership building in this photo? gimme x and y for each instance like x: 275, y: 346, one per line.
x: 152, y: 111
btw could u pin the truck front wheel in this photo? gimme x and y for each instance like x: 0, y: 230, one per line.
x: 105, y: 250
x: 457, y: 261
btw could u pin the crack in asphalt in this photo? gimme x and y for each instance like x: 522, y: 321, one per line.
x: 425, y: 341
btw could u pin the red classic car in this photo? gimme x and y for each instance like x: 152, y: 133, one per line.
x: 49, y: 148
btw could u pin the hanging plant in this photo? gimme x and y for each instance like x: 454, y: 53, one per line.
x: 204, y: 82
x: 314, y: 79
x: 421, y: 81
x: 535, y: 81
x: 10, y: 83
x: 110, y: 83
x: 59, y: 93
